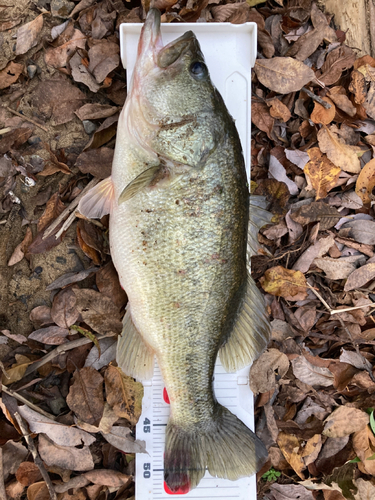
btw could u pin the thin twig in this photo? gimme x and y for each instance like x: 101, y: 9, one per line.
x: 354, y: 344
x: 334, y: 338
x: 69, y: 209
x: 316, y: 98
x: 92, y: 221
x: 347, y: 309
x: 37, y: 460
x: 59, y: 350
x: 27, y: 402
x: 3, y: 494
x: 26, y: 118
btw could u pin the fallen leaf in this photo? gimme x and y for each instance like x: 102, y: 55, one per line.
x: 317, y: 211
x: 51, y: 335
x: 64, y: 312
x: 358, y: 87
x: 95, y: 111
x: 16, y: 372
x: 277, y: 171
x: 66, y: 457
x: 355, y: 359
x: 120, y: 438
x: 97, y: 162
x: 362, y: 231
x: 283, y: 74
x: 342, y: 101
x: 108, y: 354
x: 14, y: 453
x: 10, y: 74
x: 260, y: 116
x: 57, y: 57
x: 108, y: 283
x: 342, y: 155
x: 289, y: 445
x: 360, y: 277
x: 262, y: 371
x: 366, y: 490
x: 318, y: 249
x: 278, y: 110
x: 17, y: 337
x: 311, y: 374
x: 337, y: 61
x: 284, y: 283
x: 344, y: 421
x: 85, y: 396
x: 123, y: 394
x: 28, y: 34
x: 366, y: 183
x: 28, y: 473
x: 104, y: 58
x: 81, y: 74
x: 290, y: 491
x: 20, y: 250
x: 38, y: 491
x: 104, y: 133
x: 323, y: 174
x: 98, y: 311
x: 69, y: 278
x: 106, y: 477
x: 40, y: 316
x: 299, y: 158
x: 337, y: 269
x: 60, y: 434
x: 321, y: 114
x: 14, y: 139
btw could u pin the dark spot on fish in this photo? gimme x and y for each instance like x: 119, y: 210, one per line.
x: 145, y: 263
x: 177, y: 202
x: 144, y: 243
x: 181, y: 271
x: 176, y: 305
x: 148, y: 210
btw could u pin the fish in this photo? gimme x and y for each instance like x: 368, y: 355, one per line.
x: 178, y: 200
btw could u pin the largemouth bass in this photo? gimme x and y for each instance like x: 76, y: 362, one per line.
x: 179, y: 216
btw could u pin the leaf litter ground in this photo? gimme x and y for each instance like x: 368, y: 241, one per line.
x: 62, y: 88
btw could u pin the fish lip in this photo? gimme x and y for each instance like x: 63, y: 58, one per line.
x: 150, y: 39
x: 168, y: 54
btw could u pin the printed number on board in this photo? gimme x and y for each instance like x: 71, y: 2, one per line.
x: 147, y: 471
x: 146, y: 425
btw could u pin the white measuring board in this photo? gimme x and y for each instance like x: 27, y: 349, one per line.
x: 230, y: 52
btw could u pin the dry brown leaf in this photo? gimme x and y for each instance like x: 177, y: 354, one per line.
x: 262, y: 372
x: 341, y: 100
x: 14, y: 138
x: 283, y: 74
x: 104, y: 58
x: 60, y: 434
x: 10, y: 74
x: 14, y: 453
x: 278, y: 110
x: 40, y: 316
x: 364, y: 446
x: 17, y: 371
x: 362, y: 231
x: 337, y: 61
x: 107, y: 353
x: 66, y: 457
x: 360, y: 277
x: 323, y: 174
x: 81, y: 74
x: 358, y: 87
x: 38, y: 491
x: 260, y: 116
x: 312, y: 448
x: 95, y: 111
x: 342, y: 155
x: 108, y: 283
x: 290, y: 491
x: 64, y: 312
x: 284, y: 283
x: 99, y: 312
x: 366, y: 490
x: 311, y: 374
x: 104, y: 133
x: 120, y: 438
x: 20, y: 250
x: 317, y: 211
x: 27, y: 35
x: 289, y: 445
x: 57, y: 57
x: 123, y: 394
x: 321, y: 114
x: 51, y: 335
x: 28, y: 473
x: 344, y: 421
x: 366, y: 182
x: 97, y: 162
x: 337, y: 269
x: 107, y: 477
x: 85, y: 396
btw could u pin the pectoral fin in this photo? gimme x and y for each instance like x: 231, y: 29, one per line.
x: 133, y: 356
x: 251, y: 331
x: 98, y: 201
x: 145, y: 179
x: 258, y: 217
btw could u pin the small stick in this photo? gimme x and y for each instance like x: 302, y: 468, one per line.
x: 27, y: 402
x: 316, y: 98
x: 92, y: 221
x: 37, y: 460
x: 59, y: 350
x: 69, y: 209
x: 66, y: 224
x: 3, y: 495
x: 354, y: 344
x: 337, y: 339
x: 347, y: 309
x: 26, y: 118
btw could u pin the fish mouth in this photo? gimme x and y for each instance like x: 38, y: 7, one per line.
x: 151, y: 41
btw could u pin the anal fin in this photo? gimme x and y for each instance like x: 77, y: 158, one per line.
x: 133, y: 356
x: 251, y: 331
x: 98, y: 201
x: 258, y: 217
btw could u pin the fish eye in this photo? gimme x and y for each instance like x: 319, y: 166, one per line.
x: 198, y: 70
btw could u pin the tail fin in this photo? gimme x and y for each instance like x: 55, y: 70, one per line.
x: 225, y: 446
